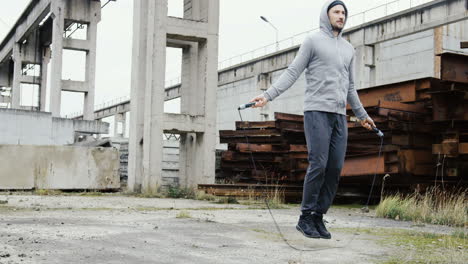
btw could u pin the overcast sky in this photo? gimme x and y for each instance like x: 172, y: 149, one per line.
x: 241, y: 30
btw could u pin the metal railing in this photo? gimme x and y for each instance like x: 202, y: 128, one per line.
x: 353, y: 20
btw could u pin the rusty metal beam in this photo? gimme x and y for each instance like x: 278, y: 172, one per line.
x: 464, y: 45
x: 454, y: 67
x: 244, y: 147
x: 363, y: 165
x: 409, y: 91
x: 255, y: 124
x: 289, y: 117
x: 452, y: 149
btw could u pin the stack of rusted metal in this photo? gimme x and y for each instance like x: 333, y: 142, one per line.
x: 406, y: 150
x: 280, y: 152
x: 449, y: 98
x: 277, y: 148
x: 425, y: 122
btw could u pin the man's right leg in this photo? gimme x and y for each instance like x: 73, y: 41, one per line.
x: 317, y: 130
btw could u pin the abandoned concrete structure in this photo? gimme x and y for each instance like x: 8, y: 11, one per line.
x: 197, y: 35
x: 34, y: 154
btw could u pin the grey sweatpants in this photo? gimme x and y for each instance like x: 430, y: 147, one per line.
x: 326, y: 136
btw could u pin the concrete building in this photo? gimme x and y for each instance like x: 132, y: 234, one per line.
x: 41, y: 34
x: 197, y: 35
x: 32, y: 140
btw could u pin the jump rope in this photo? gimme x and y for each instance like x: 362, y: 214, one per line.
x: 286, y: 241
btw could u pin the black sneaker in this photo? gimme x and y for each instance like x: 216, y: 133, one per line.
x: 307, y: 227
x: 320, y: 225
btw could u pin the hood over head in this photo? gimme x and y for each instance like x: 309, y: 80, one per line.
x: 325, y: 24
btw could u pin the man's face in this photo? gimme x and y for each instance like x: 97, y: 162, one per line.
x: 337, y: 16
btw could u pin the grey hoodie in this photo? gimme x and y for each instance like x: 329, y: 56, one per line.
x: 329, y: 65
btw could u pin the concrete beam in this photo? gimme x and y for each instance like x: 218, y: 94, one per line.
x: 75, y: 86
x: 112, y: 110
x: 29, y: 19
x: 183, y: 123
x: 76, y: 44
x: 174, y: 43
x: 172, y: 92
x: 31, y: 79
x: 90, y: 127
x: 188, y: 30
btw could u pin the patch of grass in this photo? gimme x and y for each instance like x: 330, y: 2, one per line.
x: 434, y: 206
x: 91, y: 194
x: 179, y: 192
x: 353, y: 206
x: 460, y: 233
x: 148, y: 195
x: 47, y: 192
x: 203, y: 196
x: 227, y: 200
x: 418, y: 247
x: 183, y: 214
x: 275, y: 199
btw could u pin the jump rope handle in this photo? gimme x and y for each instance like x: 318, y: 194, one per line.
x: 244, y: 106
x: 377, y: 131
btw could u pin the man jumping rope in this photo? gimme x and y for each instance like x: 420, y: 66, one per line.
x: 329, y: 63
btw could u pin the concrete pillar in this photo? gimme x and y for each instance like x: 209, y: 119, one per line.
x: 88, y: 111
x: 4, y: 75
x: 154, y: 97
x: 119, y: 119
x: 5, y: 82
x: 17, y: 75
x: 197, y: 122
x: 263, y: 83
x: 43, y: 88
x: 198, y: 97
x: 58, y: 14
x: 137, y: 107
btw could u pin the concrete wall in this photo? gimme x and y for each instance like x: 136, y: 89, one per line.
x: 58, y: 167
x: 406, y: 58
x: 21, y: 127
x: 26, y: 127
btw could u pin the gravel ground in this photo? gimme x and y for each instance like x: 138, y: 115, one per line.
x: 121, y: 229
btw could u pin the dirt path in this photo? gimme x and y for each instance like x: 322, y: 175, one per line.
x: 120, y: 229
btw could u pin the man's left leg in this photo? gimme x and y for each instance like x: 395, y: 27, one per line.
x: 336, y: 156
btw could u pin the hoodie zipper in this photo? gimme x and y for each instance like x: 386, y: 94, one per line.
x: 339, y: 69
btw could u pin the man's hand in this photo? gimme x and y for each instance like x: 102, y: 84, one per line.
x: 260, y: 101
x: 368, y: 123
